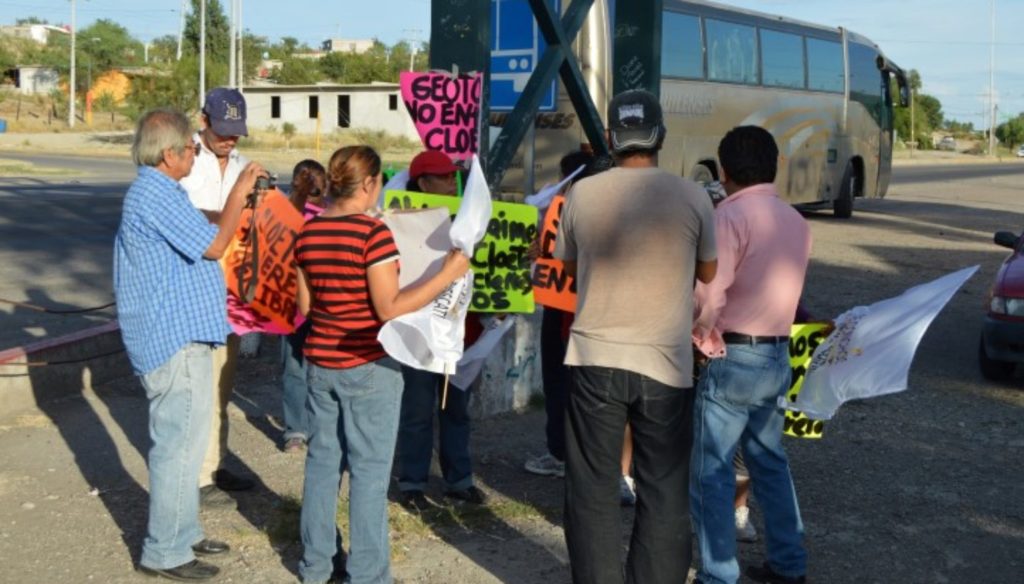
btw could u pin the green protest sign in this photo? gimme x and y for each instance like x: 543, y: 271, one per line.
x: 501, y: 270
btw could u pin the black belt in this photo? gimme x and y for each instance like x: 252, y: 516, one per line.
x: 742, y: 339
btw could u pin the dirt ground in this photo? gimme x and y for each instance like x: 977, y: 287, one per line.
x: 919, y: 487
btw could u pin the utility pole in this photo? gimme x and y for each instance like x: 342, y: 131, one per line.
x: 992, y: 85
x: 414, y: 40
x: 71, y: 84
x: 913, y: 136
x: 181, y: 28
x: 202, y: 53
x: 232, y: 56
x: 240, y: 76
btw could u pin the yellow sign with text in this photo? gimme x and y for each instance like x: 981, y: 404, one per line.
x: 501, y: 269
x: 803, y: 339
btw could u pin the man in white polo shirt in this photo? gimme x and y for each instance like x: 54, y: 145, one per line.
x: 216, y: 170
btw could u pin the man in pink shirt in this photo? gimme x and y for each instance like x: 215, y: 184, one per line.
x: 742, y: 322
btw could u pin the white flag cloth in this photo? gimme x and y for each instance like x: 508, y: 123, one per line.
x: 473, y: 359
x: 870, y: 351
x: 431, y: 338
x: 542, y: 200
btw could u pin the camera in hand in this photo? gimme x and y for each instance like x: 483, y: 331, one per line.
x: 263, y: 183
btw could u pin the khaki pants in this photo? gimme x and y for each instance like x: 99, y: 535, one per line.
x: 225, y: 363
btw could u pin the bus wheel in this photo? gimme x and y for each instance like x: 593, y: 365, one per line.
x: 842, y: 206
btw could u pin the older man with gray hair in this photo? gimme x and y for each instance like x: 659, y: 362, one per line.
x: 171, y: 307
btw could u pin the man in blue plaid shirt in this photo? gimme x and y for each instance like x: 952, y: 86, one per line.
x: 171, y: 307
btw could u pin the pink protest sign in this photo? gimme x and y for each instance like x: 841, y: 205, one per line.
x: 445, y: 110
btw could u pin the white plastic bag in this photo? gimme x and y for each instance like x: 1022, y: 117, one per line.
x: 870, y: 352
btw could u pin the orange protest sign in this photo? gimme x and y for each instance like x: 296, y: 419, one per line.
x: 552, y: 286
x: 260, y: 270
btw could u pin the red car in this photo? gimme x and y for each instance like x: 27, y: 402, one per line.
x: 1002, y: 337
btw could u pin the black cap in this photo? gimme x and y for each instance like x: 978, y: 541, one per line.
x: 635, y: 121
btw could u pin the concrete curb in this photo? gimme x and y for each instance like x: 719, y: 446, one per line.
x: 99, y: 350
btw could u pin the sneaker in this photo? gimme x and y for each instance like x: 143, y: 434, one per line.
x: 745, y: 531
x: 211, y: 497
x: 627, y: 491
x: 294, y: 445
x: 471, y: 495
x: 766, y: 575
x: 545, y: 465
x: 415, y: 502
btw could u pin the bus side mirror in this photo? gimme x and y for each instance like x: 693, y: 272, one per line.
x: 904, y: 94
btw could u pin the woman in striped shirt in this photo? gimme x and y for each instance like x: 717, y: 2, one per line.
x: 348, y: 287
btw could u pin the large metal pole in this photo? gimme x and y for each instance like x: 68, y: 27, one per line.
x: 992, y: 86
x: 240, y: 76
x: 202, y: 53
x: 232, y: 70
x: 181, y: 28
x: 71, y: 83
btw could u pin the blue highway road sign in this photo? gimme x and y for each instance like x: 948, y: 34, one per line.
x: 516, y: 46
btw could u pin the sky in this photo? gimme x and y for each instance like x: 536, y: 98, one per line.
x: 947, y: 41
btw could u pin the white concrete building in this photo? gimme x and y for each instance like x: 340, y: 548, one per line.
x: 34, y: 79
x: 40, y: 33
x: 377, y: 106
x: 357, y: 46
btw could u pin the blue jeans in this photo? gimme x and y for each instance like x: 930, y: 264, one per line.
x: 180, y: 408
x: 293, y: 383
x: 421, y: 398
x: 736, y: 406
x: 353, y: 422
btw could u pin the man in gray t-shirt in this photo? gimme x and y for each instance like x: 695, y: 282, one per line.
x: 636, y: 236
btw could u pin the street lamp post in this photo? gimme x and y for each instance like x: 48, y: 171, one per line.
x: 71, y: 83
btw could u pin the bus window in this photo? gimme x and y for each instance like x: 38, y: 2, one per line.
x: 682, y: 52
x: 866, y: 81
x: 732, y: 52
x: 824, y: 65
x: 782, y: 59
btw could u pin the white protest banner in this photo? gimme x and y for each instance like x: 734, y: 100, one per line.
x: 473, y: 359
x: 870, y: 351
x: 422, y: 238
x: 431, y: 338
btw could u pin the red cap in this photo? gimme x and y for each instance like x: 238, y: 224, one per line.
x: 431, y: 162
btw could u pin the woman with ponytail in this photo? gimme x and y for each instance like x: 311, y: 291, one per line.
x: 348, y: 287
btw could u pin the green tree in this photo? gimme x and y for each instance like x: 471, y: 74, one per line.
x: 176, y: 85
x: 1011, y: 133
x: 295, y: 71
x: 927, y: 111
x: 287, y: 47
x: 107, y: 45
x: 218, y: 32
x: 106, y: 103
x: 288, y: 130
x: 30, y: 20
x: 163, y: 49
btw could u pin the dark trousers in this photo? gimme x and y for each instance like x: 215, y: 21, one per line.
x: 555, y: 376
x: 421, y: 401
x: 602, y: 400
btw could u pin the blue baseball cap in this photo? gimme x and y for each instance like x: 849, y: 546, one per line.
x: 225, y: 109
